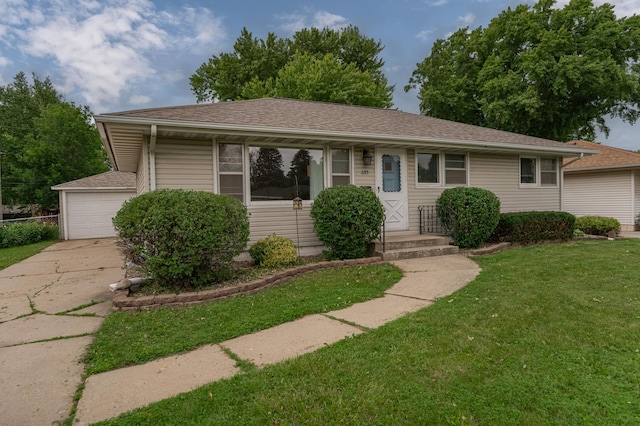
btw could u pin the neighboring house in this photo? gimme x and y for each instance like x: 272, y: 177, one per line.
x: 264, y: 152
x: 604, y: 184
x: 88, y: 205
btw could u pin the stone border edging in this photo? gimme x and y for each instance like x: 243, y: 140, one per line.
x: 122, y: 301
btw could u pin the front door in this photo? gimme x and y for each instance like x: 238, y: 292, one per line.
x: 391, y: 187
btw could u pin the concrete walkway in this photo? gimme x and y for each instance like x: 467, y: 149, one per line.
x: 43, y: 334
x: 109, y: 394
x: 45, y: 330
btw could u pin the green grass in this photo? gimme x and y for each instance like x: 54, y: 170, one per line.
x: 11, y: 255
x: 545, y: 335
x: 127, y: 338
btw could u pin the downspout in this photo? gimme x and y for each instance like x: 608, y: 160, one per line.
x: 573, y: 161
x: 152, y: 156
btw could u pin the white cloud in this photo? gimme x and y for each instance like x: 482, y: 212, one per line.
x: 621, y: 7
x: 424, y: 35
x: 103, y: 48
x: 139, y: 99
x: 438, y: 3
x: 296, y: 21
x: 466, y: 20
x: 326, y: 19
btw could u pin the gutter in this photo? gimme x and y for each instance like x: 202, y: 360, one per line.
x: 215, y: 129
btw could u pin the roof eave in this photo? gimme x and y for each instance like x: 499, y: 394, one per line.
x: 610, y: 167
x: 220, y: 129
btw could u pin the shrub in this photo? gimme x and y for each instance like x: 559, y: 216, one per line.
x: 532, y: 227
x: 598, y: 225
x: 21, y: 234
x: 274, y: 252
x: 49, y: 232
x: 469, y: 214
x: 346, y: 219
x: 183, y: 239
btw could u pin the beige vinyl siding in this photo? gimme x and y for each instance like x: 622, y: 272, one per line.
x: 599, y: 193
x: 500, y: 174
x: 497, y: 173
x: 281, y: 220
x: 363, y: 175
x: 142, y: 172
x: 184, y: 165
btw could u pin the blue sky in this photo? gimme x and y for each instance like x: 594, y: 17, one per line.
x: 117, y: 55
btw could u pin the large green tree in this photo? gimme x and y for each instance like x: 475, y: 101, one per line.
x: 66, y: 146
x: 537, y: 70
x: 44, y: 141
x: 255, y: 62
x: 326, y: 79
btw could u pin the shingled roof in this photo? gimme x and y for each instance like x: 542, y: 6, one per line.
x: 608, y: 157
x: 108, y: 180
x: 289, y: 114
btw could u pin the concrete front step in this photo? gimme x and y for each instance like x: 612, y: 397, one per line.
x: 417, y: 252
x: 411, y: 241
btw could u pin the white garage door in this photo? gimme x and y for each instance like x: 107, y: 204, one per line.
x: 89, y: 214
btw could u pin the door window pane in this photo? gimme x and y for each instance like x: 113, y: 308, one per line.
x: 391, y: 173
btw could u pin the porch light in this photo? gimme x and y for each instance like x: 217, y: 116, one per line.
x: 366, y: 157
x: 297, y: 203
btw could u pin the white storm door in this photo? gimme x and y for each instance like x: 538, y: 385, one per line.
x: 391, y: 187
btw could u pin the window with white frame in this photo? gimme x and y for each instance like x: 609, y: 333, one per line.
x: 548, y: 172
x: 428, y: 168
x: 455, y: 169
x: 436, y: 169
x: 230, y: 180
x: 538, y: 171
x: 340, y: 167
x: 283, y: 173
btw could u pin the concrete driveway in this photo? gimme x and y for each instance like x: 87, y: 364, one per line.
x: 50, y: 304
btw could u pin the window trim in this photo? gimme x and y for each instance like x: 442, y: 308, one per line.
x: 247, y: 172
x: 216, y: 159
x: 330, y: 173
x: 441, y: 169
x: 538, y: 171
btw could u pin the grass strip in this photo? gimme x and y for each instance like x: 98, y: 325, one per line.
x: 127, y: 338
x: 11, y: 255
x: 545, y: 335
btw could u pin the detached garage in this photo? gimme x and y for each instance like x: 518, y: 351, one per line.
x: 87, y: 205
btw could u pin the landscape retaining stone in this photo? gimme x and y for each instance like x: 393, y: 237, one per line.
x: 123, y: 301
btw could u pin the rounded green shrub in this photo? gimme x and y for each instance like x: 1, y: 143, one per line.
x: 21, y: 234
x: 469, y: 214
x: 598, y: 225
x: 182, y: 239
x: 274, y: 252
x: 346, y: 219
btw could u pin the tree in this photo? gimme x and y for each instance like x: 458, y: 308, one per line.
x: 67, y: 147
x: 257, y: 63
x: 45, y: 141
x: 326, y: 79
x: 20, y: 104
x: 537, y: 70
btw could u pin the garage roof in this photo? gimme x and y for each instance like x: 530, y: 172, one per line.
x: 608, y: 158
x: 108, y: 180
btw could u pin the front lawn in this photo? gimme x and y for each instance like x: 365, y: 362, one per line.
x: 545, y: 335
x: 127, y: 338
